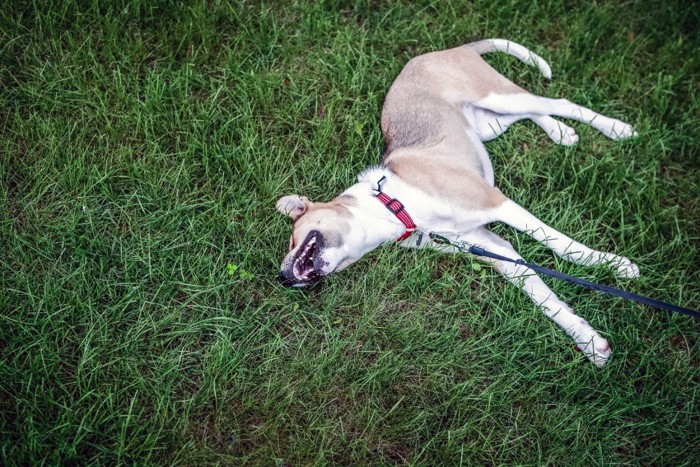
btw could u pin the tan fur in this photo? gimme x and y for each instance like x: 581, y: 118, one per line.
x: 448, y: 179
x: 337, y: 207
x: 457, y: 75
x: 447, y: 167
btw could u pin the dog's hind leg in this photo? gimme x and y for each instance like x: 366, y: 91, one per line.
x: 490, y: 125
x: 517, y: 216
x: 588, y: 340
x: 526, y: 103
x: 556, y: 130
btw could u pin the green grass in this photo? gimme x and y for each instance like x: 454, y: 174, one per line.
x: 142, y: 148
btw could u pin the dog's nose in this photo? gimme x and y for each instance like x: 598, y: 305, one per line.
x: 286, y: 280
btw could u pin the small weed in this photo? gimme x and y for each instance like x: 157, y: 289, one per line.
x: 242, y: 273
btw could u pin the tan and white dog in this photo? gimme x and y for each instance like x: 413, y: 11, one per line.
x: 438, y: 176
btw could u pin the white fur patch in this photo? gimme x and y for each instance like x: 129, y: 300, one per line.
x: 373, y: 173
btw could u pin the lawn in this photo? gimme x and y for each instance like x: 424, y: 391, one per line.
x: 143, y: 145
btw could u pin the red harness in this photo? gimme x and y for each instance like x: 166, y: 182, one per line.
x: 397, y: 208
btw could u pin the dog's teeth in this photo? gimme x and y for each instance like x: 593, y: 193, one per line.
x: 304, y: 265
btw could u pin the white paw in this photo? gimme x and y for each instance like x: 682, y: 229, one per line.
x: 564, y: 135
x: 620, y: 130
x: 625, y: 268
x: 594, y: 347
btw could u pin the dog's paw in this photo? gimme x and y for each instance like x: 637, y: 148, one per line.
x: 625, y: 268
x: 564, y: 135
x: 595, y: 347
x: 620, y: 130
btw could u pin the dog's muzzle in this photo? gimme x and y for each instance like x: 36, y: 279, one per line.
x: 304, y: 268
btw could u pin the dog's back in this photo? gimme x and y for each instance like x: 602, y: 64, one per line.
x: 426, y: 98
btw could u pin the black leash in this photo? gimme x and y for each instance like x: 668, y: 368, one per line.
x: 478, y: 251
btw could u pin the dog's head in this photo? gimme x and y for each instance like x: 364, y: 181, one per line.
x: 325, y: 239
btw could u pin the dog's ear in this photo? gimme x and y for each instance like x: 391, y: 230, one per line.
x: 293, y: 206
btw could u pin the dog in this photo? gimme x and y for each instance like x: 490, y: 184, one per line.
x: 436, y: 176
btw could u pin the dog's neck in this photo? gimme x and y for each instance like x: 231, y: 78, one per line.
x: 368, y: 209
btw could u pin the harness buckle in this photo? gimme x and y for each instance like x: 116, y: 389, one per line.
x: 394, y: 210
x: 379, y: 185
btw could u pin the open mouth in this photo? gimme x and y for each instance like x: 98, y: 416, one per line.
x: 304, y: 268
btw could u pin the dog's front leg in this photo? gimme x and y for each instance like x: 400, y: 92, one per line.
x: 516, y: 216
x: 588, y: 340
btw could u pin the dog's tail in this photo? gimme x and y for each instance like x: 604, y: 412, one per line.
x: 516, y: 50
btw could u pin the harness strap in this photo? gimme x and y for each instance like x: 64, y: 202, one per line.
x: 397, y: 208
